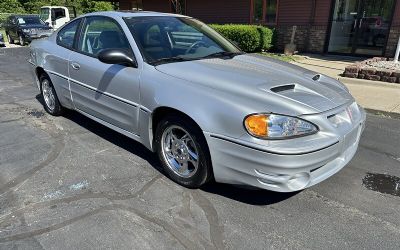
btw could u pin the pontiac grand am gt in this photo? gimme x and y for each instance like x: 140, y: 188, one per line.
x: 209, y: 110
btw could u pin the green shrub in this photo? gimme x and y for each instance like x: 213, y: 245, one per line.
x: 247, y: 37
x: 250, y: 38
x: 266, y: 38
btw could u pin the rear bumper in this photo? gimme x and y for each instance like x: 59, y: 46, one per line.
x: 237, y: 163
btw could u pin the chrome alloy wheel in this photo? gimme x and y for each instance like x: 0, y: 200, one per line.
x: 180, y: 151
x: 48, y: 95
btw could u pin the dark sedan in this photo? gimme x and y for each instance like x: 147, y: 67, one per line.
x: 25, y: 28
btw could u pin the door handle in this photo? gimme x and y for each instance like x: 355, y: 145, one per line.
x: 75, y: 66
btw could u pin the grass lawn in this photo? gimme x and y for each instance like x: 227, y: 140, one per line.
x: 282, y: 56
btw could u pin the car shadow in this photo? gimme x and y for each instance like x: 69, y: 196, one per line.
x: 246, y: 194
x: 243, y: 194
x: 105, y: 80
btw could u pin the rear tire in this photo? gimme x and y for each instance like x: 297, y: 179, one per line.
x: 10, y: 40
x: 51, y: 103
x: 183, y: 151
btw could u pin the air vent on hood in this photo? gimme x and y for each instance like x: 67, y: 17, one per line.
x: 282, y: 88
x: 316, y: 77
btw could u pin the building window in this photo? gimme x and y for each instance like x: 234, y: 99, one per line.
x: 264, y: 11
x: 270, y: 13
x: 178, y: 6
x: 137, y: 5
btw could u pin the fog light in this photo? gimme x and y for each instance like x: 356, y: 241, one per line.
x: 298, y: 181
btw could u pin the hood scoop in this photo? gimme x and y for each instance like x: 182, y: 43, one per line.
x: 283, y: 88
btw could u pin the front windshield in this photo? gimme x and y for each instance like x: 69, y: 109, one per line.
x: 166, y: 38
x: 29, y: 20
x: 44, y: 14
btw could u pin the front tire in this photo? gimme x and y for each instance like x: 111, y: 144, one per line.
x: 51, y: 103
x: 21, y: 40
x: 183, y: 151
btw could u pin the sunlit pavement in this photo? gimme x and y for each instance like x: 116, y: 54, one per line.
x: 70, y: 183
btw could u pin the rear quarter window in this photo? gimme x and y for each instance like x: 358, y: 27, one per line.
x: 66, y: 35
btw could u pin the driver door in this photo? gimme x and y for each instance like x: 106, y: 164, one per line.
x: 109, y: 92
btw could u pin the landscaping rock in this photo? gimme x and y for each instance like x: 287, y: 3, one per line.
x: 391, y: 79
x: 350, y: 75
x: 368, y: 71
x: 384, y: 72
x: 396, y: 73
x: 372, y: 77
x: 352, y: 69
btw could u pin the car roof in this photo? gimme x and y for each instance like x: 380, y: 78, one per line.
x: 25, y: 15
x: 122, y: 14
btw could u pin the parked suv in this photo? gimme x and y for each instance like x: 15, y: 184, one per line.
x: 25, y: 28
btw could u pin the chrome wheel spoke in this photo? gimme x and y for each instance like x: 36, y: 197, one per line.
x: 48, y: 95
x: 184, y: 168
x: 179, y: 151
x: 193, y: 157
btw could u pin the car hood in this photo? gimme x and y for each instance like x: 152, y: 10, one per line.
x: 282, y: 87
x: 35, y: 26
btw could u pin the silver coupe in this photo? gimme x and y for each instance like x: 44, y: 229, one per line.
x: 209, y: 111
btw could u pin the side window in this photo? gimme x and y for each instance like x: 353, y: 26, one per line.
x: 66, y: 36
x: 101, y: 33
x: 57, y: 13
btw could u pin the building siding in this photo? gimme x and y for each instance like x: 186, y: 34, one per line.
x: 219, y: 11
x: 157, y: 5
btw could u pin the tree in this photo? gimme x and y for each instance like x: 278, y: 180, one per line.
x: 11, y: 6
x: 93, y: 6
x: 33, y: 6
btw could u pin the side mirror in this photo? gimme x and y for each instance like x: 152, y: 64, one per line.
x: 117, y: 56
x: 47, y: 23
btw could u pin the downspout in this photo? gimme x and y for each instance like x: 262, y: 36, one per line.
x: 311, y: 21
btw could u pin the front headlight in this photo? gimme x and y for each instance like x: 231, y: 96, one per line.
x: 26, y: 30
x: 272, y: 126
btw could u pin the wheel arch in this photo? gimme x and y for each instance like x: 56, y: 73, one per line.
x: 160, y: 112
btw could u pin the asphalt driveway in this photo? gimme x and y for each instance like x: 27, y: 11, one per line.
x: 70, y: 183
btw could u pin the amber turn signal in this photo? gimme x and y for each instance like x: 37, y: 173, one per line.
x: 257, y: 125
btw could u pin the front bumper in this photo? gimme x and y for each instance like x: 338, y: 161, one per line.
x: 235, y: 162
x: 32, y: 36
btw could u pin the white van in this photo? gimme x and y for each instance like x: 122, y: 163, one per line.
x: 56, y: 16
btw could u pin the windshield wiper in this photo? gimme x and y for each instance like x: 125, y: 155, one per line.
x: 223, y: 54
x: 169, y: 60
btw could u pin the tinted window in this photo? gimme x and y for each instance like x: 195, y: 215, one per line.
x: 101, y: 33
x: 29, y: 20
x: 66, y: 36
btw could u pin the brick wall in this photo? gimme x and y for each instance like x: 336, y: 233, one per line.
x: 308, y: 38
x: 394, y: 32
x: 392, y: 41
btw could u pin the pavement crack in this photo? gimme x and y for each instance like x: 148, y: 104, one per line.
x: 167, y: 227
x: 216, y: 230
x: 57, y: 148
x: 82, y: 196
x: 376, y: 150
x: 355, y: 211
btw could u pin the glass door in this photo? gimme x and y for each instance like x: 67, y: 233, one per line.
x: 373, y: 27
x: 360, y: 26
x: 344, y: 26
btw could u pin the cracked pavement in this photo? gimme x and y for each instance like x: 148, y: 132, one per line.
x: 70, y: 183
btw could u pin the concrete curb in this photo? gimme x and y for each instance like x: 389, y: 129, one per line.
x: 383, y: 113
x: 347, y: 80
